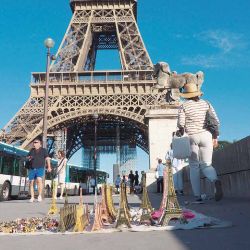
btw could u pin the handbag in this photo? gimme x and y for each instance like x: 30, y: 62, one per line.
x: 28, y: 164
x: 156, y: 175
x: 181, y: 147
x: 211, y: 123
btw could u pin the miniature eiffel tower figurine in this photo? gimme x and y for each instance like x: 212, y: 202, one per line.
x: 111, y: 208
x: 66, y: 202
x: 145, y: 205
x: 172, y: 208
x: 123, y: 213
x: 53, y: 208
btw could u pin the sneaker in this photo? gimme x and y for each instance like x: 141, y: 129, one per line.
x: 31, y: 200
x: 39, y: 199
x: 55, y: 198
x: 218, y: 190
x: 61, y: 198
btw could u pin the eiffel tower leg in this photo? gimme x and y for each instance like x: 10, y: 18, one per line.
x: 133, y: 51
x: 73, y: 50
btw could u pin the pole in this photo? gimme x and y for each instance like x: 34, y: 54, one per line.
x: 95, y: 153
x: 46, y: 100
x: 45, y: 113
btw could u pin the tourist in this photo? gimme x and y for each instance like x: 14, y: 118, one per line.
x: 192, y: 120
x: 131, y: 178
x: 38, y: 157
x: 92, y: 184
x: 61, y: 173
x: 159, y: 170
x: 117, y: 183
x: 137, y: 187
x: 177, y: 169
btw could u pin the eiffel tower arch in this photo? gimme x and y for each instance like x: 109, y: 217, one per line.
x: 125, y: 97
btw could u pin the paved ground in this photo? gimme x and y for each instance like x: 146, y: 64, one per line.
x: 236, y: 237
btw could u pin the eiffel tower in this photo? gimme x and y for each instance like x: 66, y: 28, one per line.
x: 125, y: 97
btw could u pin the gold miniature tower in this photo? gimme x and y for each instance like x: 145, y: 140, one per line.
x: 53, y: 207
x: 145, y: 205
x: 111, y: 208
x: 123, y: 217
x: 172, y: 209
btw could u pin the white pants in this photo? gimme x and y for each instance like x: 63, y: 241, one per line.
x: 201, y: 159
x: 178, y: 179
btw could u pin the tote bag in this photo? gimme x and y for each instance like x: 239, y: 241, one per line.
x: 181, y: 147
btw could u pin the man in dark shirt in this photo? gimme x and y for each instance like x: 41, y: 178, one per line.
x: 131, y: 178
x: 38, y: 157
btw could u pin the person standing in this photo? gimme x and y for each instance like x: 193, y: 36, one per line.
x: 61, y: 173
x: 192, y: 120
x: 160, y: 169
x: 177, y: 168
x: 38, y: 157
x: 92, y: 184
x: 131, y: 178
x: 117, y: 183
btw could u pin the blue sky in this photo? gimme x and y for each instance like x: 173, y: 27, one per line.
x: 212, y: 36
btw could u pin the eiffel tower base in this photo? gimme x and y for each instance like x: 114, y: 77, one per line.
x: 167, y: 216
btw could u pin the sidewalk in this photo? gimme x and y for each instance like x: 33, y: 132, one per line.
x: 236, y: 237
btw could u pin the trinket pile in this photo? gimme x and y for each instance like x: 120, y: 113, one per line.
x: 30, y: 225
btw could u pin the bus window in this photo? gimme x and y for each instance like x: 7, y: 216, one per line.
x: 22, y: 170
x: 7, y: 165
x: 16, y: 167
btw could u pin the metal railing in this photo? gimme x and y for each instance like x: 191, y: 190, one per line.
x: 93, y: 77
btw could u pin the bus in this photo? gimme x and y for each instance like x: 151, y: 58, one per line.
x: 82, y: 176
x: 14, y: 176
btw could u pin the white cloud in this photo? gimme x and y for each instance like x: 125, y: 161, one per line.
x: 232, y: 50
x: 223, y: 40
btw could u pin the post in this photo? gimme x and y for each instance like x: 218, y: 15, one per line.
x: 46, y: 100
x: 95, y: 152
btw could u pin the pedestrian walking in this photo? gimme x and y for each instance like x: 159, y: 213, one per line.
x: 38, y: 157
x: 192, y: 119
x: 159, y: 170
x: 61, y: 173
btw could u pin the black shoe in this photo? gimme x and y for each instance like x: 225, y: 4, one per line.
x: 198, y: 199
x: 218, y: 190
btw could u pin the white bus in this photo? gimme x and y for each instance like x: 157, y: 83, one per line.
x: 14, y: 176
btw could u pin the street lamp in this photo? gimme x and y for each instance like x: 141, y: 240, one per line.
x: 95, y: 116
x: 49, y: 43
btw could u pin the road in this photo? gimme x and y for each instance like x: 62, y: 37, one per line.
x: 236, y: 237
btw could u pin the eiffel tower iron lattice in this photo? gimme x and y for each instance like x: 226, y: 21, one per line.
x: 77, y: 90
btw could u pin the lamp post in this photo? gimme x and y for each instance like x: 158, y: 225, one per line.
x: 95, y: 116
x: 49, y: 43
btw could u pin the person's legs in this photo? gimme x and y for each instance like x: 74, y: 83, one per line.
x: 32, y: 191
x: 194, y: 165
x: 206, y: 154
x: 40, y: 188
x: 158, y: 185
x: 62, y: 190
x: 180, y: 180
x: 40, y: 174
x: 31, y: 180
x: 161, y: 184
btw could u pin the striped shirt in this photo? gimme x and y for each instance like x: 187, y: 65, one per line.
x: 192, y: 116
